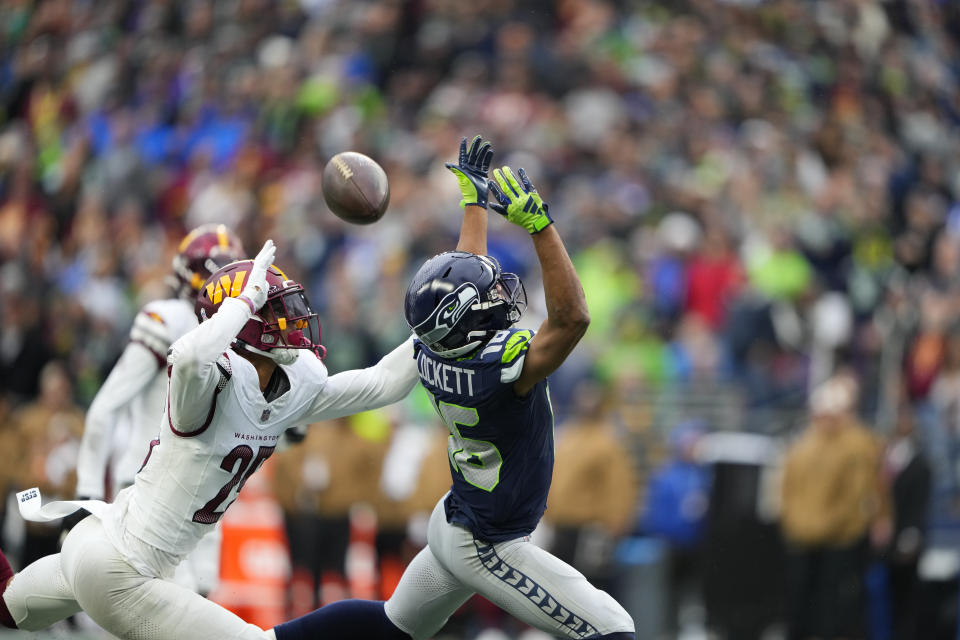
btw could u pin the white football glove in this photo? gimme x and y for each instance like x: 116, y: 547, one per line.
x: 256, y: 288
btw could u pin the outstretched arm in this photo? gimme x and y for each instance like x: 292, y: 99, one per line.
x: 386, y: 382
x: 567, y: 314
x: 471, y: 172
x: 130, y: 376
x: 473, y: 230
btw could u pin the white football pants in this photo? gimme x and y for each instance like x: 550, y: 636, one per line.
x: 516, y: 575
x: 89, y: 574
x: 200, y: 569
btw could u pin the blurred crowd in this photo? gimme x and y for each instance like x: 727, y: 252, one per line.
x: 762, y: 199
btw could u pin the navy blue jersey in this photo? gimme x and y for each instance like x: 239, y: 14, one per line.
x: 501, y: 445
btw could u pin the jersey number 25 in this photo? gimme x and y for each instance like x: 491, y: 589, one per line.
x: 248, y: 464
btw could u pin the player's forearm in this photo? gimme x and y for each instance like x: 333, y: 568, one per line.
x: 203, y: 345
x: 94, y: 452
x: 132, y: 373
x: 398, y: 373
x: 565, y: 300
x: 388, y: 381
x: 473, y: 230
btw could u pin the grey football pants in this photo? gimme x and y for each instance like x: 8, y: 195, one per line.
x: 516, y: 575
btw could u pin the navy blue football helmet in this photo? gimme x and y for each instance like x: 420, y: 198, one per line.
x: 458, y: 300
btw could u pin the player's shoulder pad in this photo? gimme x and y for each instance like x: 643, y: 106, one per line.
x: 508, y: 349
x: 226, y: 371
x: 176, y: 314
x: 152, y: 329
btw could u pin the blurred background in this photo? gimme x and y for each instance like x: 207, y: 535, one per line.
x: 759, y: 436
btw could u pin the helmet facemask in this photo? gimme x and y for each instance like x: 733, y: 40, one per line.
x: 289, y: 322
x: 511, y: 291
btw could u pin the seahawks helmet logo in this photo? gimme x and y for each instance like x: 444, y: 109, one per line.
x: 448, y: 313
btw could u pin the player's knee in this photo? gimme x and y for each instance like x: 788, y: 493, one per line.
x: 31, y: 623
x: 621, y: 625
x: 37, y: 597
x: 615, y: 621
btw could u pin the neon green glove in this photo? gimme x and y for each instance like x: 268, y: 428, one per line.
x: 518, y: 200
x: 471, y: 171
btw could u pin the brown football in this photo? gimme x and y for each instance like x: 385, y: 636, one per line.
x: 355, y: 188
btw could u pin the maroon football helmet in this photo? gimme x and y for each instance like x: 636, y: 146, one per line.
x: 285, y: 321
x: 201, y: 252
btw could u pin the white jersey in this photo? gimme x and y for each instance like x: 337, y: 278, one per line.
x: 218, y: 429
x: 133, y: 395
x: 194, y: 472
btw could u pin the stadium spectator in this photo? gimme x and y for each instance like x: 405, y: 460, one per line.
x: 413, y: 478
x: 675, y: 511
x: 317, y: 483
x: 593, y: 495
x: 907, y: 476
x: 48, y: 440
x: 714, y: 278
x: 832, y: 502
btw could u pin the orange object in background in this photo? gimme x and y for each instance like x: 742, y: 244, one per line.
x: 302, y: 592
x: 362, y: 552
x: 254, y: 559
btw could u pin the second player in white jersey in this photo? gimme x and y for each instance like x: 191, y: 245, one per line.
x: 134, y: 394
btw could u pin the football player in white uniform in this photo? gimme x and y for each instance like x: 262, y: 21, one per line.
x: 250, y: 371
x: 134, y: 393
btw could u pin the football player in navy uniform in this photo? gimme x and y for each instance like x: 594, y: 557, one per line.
x: 488, y: 382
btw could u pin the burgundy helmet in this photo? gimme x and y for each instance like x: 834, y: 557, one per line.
x: 287, y: 307
x: 203, y: 251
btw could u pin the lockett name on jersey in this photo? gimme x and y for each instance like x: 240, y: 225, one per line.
x: 445, y: 376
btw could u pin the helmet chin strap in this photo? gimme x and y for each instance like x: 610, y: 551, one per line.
x: 458, y: 351
x: 476, y: 339
x: 283, y: 356
x: 278, y: 355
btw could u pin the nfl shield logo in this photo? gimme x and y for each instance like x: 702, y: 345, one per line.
x: 265, y: 415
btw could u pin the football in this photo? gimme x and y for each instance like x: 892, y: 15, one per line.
x: 355, y: 188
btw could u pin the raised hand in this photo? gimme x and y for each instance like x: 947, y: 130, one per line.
x: 518, y: 200
x: 256, y: 289
x: 471, y: 171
